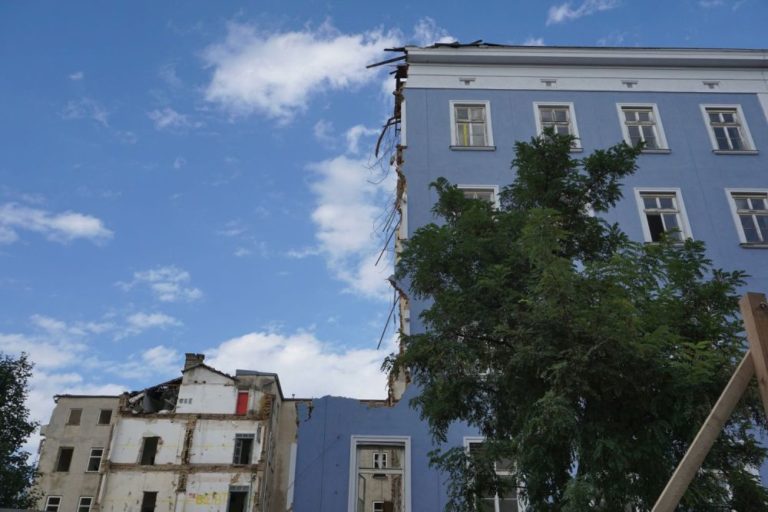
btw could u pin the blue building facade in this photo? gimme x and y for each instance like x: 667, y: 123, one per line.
x: 703, y: 115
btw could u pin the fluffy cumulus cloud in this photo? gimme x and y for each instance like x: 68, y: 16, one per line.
x: 275, y: 74
x: 86, y: 108
x: 307, y: 366
x: 60, y: 227
x: 168, y: 284
x: 567, y: 12
x: 140, y: 322
x: 349, y: 208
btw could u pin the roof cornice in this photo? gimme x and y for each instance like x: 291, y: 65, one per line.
x: 589, y: 56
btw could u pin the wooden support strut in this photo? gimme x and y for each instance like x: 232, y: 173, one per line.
x: 754, y: 311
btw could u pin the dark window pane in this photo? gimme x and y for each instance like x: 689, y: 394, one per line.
x: 655, y: 226
x: 634, y: 134
x: 722, y: 140
x: 750, y: 230
x: 762, y: 226
x: 74, y: 416
x: 65, y: 459
x: 148, y: 501
x: 105, y: 416
x: 649, y: 202
x: 735, y: 137
x: 546, y: 115
x: 666, y: 202
x: 149, y: 450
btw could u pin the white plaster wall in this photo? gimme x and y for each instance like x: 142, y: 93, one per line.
x: 209, y: 492
x: 214, y: 440
x: 124, y: 490
x: 210, y: 393
x: 127, y: 440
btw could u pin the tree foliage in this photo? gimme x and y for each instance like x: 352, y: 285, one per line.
x: 588, y: 359
x: 16, y: 474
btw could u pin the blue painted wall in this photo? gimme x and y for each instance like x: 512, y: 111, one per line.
x: 324, y: 444
x: 324, y: 436
x: 691, y: 165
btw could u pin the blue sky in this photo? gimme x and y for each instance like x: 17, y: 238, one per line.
x: 197, y: 176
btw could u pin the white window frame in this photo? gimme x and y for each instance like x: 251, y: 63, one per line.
x: 744, y: 128
x: 404, y: 441
x: 478, y: 439
x: 494, y: 188
x: 729, y: 192
x: 80, y: 502
x: 488, y: 124
x: 573, y: 126
x: 661, y: 137
x: 48, y: 502
x: 91, y: 457
x: 684, y: 224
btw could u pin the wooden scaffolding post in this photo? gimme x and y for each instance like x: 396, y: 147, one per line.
x: 754, y: 311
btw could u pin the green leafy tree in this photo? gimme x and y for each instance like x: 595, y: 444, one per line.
x: 16, y: 473
x: 589, y: 360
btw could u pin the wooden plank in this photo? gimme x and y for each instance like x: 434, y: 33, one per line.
x: 686, y: 470
x: 754, y: 311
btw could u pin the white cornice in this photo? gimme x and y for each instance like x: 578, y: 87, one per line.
x: 573, y: 56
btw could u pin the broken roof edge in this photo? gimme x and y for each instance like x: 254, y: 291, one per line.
x: 489, y: 53
x: 67, y: 395
x: 210, y: 368
x: 256, y: 373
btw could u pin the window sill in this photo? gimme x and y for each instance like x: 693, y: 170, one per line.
x: 731, y: 152
x: 753, y: 245
x: 660, y: 151
x: 472, y: 148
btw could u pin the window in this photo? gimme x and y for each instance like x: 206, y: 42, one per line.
x: 94, y: 459
x: 728, y: 131
x: 471, y: 125
x: 148, y: 451
x: 65, y: 459
x: 148, y: 501
x: 380, y: 474
x: 105, y: 416
x: 243, y: 448
x: 750, y: 211
x: 642, y: 123
x: 488, y: 193
x: 504, y: 469
x: 238, y: 498
x: 663, y: 213
x: 242, y: 403
x: 84, y: 505
x: 74, y: 416
x: 558, y: 116
x: 52, y: 504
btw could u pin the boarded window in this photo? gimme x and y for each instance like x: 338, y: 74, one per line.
x: 148, y: 501
x: 148, y: 451
x: 243, y: 448
x: 105, y: 416
x: 242, y: 403
x: 74, y: 416
x: 94, y: 459
x: 65, y: 459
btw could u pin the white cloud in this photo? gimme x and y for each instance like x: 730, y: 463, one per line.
x: 275, y: 74
x: 59, y: 227
x: 86, y: 108
x: 168, y: 284
x: 534, y: 41
x: 59, y: 328
x: 140, y: 322
x: 426, y: 32
x: 565, y: 12
x: 348, y: 207
x: 307, y: 367
x: 354, y: 134
x: 179, y: 162
x: 77, y: 75
x: 709, y: 4
x: 45, y: 352
x: 169, y: 119
x: 324, y: 133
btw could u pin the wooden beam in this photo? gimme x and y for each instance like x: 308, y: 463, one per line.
x: 686, y: 470
x: 754, y: 311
